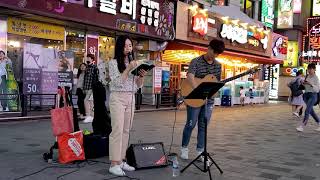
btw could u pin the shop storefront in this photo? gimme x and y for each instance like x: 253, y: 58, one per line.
x: 273, y: 73
x: 48, y: 40
x: 247, y: 46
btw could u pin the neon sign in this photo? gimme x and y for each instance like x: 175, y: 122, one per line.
x: 200, y: 23
x: 292, y: 71
x: 234, y: 33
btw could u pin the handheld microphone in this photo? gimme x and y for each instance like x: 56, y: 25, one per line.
x: 130, y: 57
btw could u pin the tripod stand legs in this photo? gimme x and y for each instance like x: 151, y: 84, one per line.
x: 207, y: 166
x: 220, y: 170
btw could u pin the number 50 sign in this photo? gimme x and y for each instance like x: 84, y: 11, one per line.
x: 31, y: 81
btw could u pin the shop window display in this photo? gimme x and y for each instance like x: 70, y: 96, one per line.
x: 16, y: 52
x: 75, y: 41
x: 106, y: 48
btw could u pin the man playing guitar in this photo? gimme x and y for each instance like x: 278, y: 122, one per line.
x: 199, y: 68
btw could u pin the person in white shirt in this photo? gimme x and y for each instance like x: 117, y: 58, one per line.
x: 311, y: 84
x: 242, y: 95
x: 4, y: 61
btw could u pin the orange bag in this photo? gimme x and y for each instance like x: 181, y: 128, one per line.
x: 62, y: 118
x: 71, y: 147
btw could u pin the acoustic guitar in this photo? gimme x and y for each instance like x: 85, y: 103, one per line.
x: 186, y: 87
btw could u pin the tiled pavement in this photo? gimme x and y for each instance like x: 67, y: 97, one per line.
x: 249, y: 143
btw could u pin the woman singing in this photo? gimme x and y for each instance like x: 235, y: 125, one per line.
x: 123, y: 86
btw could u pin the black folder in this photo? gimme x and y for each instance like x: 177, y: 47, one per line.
x: 205, y: 90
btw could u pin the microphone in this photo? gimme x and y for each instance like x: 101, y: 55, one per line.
x: 130, y: 57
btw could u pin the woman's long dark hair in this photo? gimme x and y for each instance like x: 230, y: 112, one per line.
x: 79, y: 69
x: 118, y: 55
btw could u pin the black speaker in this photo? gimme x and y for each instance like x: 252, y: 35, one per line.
x: 95, y: 146
x: 146, y: 155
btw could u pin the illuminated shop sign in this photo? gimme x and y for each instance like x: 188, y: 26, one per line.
x: 316, y: 8
x: 311, y: 41
x: 200, y: 19
x: 292, y: 54
x: 285, y: 14
x: 234, y: 33
x: 291, y: 71
x: 200, y: 23
x: 267, y: 14
x: 279, y: 46
x: 149, y: 12
x: 242, y: 34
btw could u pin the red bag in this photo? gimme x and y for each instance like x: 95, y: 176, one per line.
x: 62, y: 118
x: 71, y: 147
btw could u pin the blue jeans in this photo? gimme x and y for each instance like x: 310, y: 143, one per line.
x: 310, y: 99
x: 195, y: 115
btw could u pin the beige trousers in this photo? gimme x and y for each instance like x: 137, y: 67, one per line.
x: 121, y: 112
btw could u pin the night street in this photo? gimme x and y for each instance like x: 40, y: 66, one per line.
x: 249, y: 143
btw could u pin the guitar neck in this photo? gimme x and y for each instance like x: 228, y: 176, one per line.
x: 236, y: 77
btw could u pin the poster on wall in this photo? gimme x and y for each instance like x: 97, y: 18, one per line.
x: 65, y: 68
x: 292, y: 54
x: 316, y: 8
x: 40, y: 72
x: 285, y: 14
x: 267, y: 13
x: 279, y: 46
x: 32, y: 68
x: 157, y: 80
x: 49, y: 77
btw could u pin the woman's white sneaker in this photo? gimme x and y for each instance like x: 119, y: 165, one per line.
x: 126, y: 167
x: 116, y: 170
x: 300, y: 128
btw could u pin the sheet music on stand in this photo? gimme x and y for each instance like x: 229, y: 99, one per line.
x: 205, y: 90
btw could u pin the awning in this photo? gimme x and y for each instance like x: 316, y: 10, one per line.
x: 235, y: 13
x: 175, y: 45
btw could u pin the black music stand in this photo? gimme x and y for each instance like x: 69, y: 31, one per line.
x: 204, y: 91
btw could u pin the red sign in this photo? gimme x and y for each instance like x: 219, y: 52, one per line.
x: 93, y: 46
x: 311, y: 42
x: 200, y: 24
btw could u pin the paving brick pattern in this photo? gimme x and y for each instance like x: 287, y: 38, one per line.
x: 248, y: 143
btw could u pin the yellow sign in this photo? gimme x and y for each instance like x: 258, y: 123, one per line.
x: 316, y: 8
x: 292, y: 54
x: 35, y: 29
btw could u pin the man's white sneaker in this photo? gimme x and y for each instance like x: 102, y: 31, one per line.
x: 184, y: 153
x: 116, y: 170
x: 300, y: 129
x: 88, y: 119
x: 126, y: 167
x: 318, y: 129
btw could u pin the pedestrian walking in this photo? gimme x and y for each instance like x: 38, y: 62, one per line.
x: 242, y: 95
x: 296, y: 94
x: 311, y: 84
x: 251, y: 97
